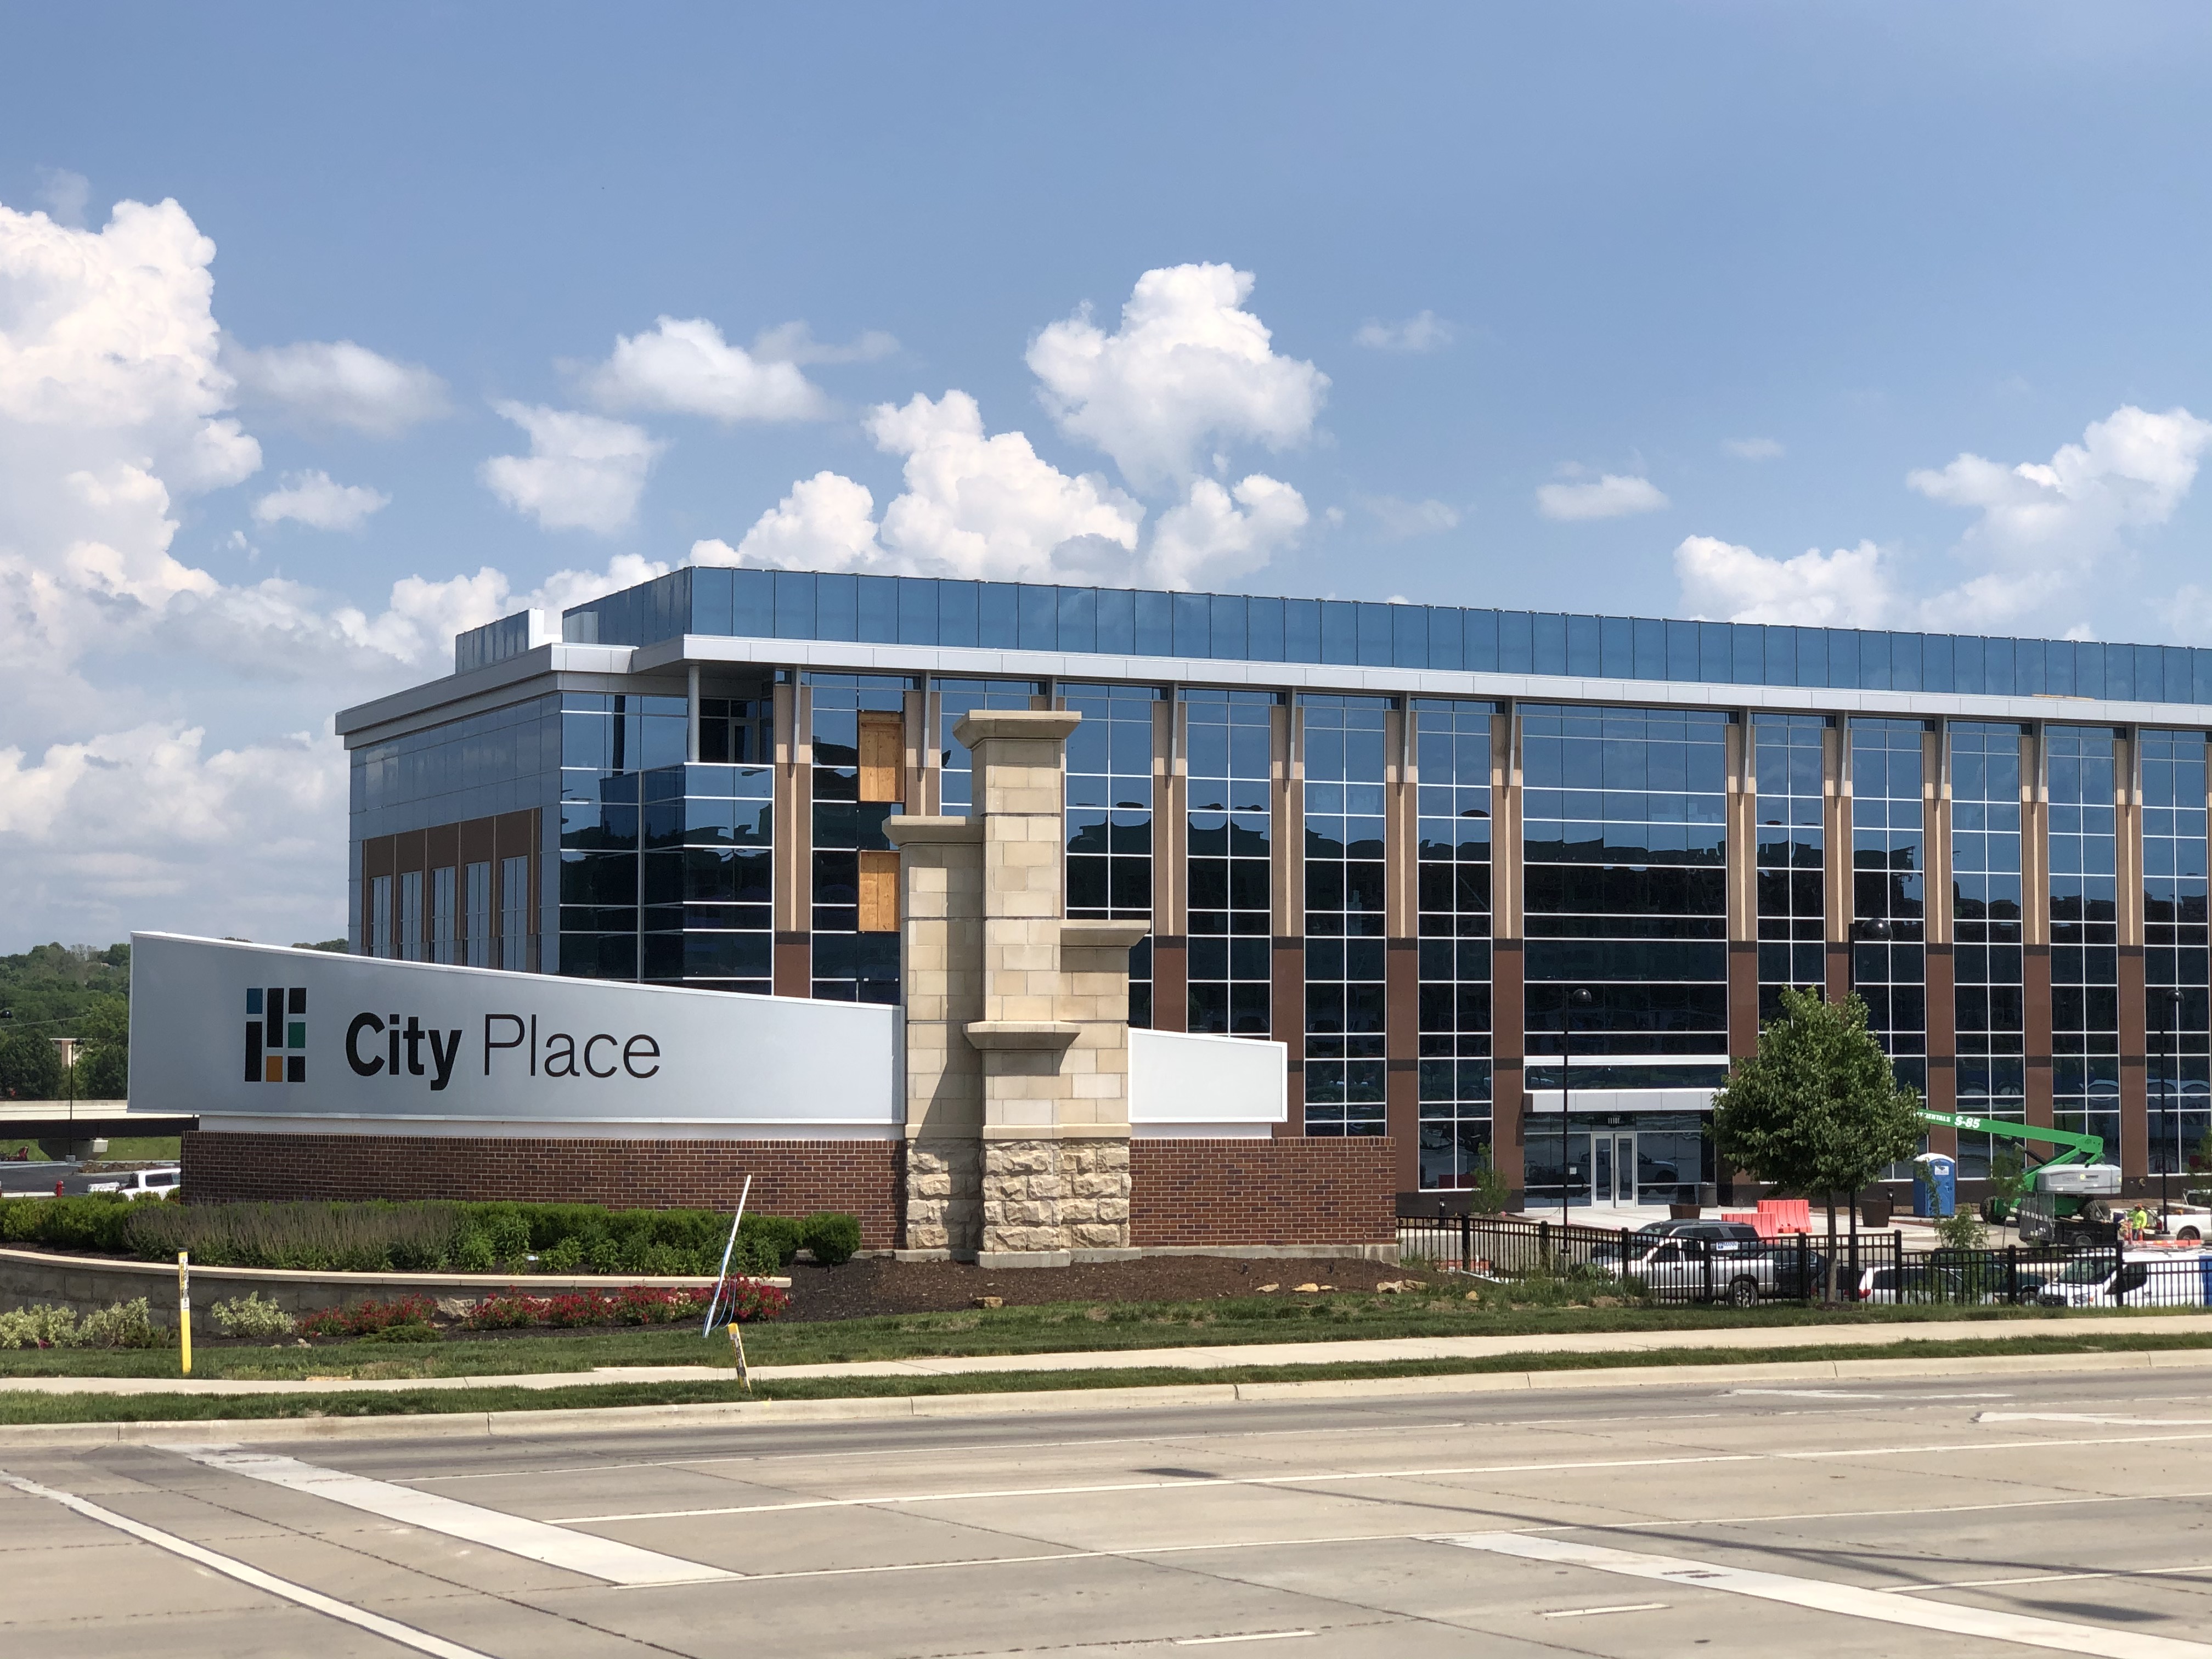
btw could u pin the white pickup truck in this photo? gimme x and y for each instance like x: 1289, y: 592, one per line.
x: 141, y: 1183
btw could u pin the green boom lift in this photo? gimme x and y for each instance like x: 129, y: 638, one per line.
x: 2076, y: 1182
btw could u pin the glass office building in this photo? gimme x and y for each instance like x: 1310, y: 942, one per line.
x: 1509, y: 888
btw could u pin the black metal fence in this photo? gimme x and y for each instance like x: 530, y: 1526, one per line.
x: 1672, y: 1268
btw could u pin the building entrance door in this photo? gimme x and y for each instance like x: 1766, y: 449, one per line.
x: 1613, y: 1158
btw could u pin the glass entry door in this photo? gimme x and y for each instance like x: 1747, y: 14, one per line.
x: 1613, y: 1158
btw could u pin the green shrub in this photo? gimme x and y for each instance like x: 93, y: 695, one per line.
x: 95, y: 1222
x: 779, y: 1233
x: 833, y: 1237
x: 122, y: 1325
x: 254, y: 1316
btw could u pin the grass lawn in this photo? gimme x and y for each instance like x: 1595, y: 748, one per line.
x: 22, y: 1408
x: 1052, y: 1327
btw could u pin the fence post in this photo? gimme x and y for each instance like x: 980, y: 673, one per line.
x: 1805, y: 1267
x: 1544, y: 1243
x: 2012, y: 1273
x: 1465, y: 1241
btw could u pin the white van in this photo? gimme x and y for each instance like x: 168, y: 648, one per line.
x: 141, y: 1183
x: 2139, y: 1279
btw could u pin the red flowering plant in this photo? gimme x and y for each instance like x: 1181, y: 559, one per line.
x: 743, y: 1300
x: 362, y: 1318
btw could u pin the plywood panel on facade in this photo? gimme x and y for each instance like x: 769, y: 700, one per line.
x: 879, y: 895
x: 882, y: 756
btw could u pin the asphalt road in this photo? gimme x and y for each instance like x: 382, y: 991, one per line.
x: 1980, y: 1514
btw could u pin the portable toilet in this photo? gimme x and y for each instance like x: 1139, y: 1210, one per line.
x: 1935, y: 1185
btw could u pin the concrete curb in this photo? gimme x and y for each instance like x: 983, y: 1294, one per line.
x: 609, y: 1419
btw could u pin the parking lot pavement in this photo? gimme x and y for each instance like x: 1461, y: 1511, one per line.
x: 1979, y: 1514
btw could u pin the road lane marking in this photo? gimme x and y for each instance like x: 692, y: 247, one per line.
x: 2090, y: 1416
x: 2040, y: 1578
x: 585, y: 1553
x: 1592, y: 1612
x: 1989, y: 1624
x: 1339, y: 1476
x: 1862, y: 1395
x: 1251, y: 1636
x: 390, y: 1629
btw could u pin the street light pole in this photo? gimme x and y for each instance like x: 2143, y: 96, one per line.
x: 1577, y: 998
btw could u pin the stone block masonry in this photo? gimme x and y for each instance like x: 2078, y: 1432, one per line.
x: 862, y: 1178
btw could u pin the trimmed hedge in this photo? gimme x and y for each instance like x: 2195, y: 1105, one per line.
x: 449, y: 1237
x: 99, y: 1222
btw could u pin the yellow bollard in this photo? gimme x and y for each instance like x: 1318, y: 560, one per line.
x: 185, y: 1306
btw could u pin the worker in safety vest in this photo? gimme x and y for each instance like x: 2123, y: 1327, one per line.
x: 2139, y: 1224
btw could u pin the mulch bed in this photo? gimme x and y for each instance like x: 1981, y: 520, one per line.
x: 879, y: 1284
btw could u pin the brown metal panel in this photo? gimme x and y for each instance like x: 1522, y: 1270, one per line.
x: 1288, y: 999
x: 794, y: 965
x: 1509, y: 1017
x: 479, y: 840
x: 409, y: 851
x: 376, y: 856
x: 2135, y: 1091
x: 1402, y: 996
x: 2035, y: 973
x: 441, y: 846
x: 1942, y: 1042
x: 1742, y: 998
x: 1171, y: 983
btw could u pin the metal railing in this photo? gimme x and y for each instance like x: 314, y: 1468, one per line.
x: 1870, y: 1267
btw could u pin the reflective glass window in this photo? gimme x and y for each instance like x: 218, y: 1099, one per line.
x: 2174, y: 950
x: 1229, y: 739
x: 1987, y: 997
x: 1109, y: 817
x: 1452, y: 756
x: 1344, y: 895
x: 1788, y: 758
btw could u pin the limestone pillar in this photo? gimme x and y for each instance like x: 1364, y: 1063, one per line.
x: 1016, y: 1020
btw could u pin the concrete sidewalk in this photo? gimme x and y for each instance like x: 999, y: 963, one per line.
x: 1768, y: 1338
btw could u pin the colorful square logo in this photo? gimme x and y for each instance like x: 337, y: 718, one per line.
x: 276, y: 1034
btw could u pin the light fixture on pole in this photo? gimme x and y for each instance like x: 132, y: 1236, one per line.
x: 1577, y: 998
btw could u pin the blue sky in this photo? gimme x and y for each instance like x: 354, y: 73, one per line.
x: 1708, y: 286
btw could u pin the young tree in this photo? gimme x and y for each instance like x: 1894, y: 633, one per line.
x: 30, y: 1066
x: 1818, y: 1108
x: 103, y: 1065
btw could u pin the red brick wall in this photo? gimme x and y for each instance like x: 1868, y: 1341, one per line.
x: 1292, y: 1191
x: 863, y: 1178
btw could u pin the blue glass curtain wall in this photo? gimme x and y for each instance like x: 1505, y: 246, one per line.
x: 1228, y: 858
x: 1988, y: 996
x: 2080, y: 775
x: 1345, y: 899
x: 1452, y: 755
x: 1009, y: 615
x: 1109, y: 817
x: 2174, y: 952
x: 1786, y: 759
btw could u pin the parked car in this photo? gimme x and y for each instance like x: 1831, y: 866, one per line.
x: 2137, y: 1278
x: 140, y: 1183
x: 1914, y: 1282
x: 1687, y: 1267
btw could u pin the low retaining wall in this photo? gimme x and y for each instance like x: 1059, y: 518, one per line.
x: 1279, y: 1193
x: 863, y: 1178
x: 1332, y: 1196
x: 89, y: 1283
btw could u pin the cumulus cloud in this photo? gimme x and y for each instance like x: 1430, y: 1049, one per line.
x: 988, y: 505
x: 115, y: 410
x: 2130, y: 470
x: 1610, y: 496
x: 794, y: 342
x: 1187, y: 367
x: 583, y: 472
x: 315, y: 500
x: 66, y: 195
x: 685, y: 367
x: 1850, y: 587
x: 1216, y: 535
x: 1423, y: 332
x: 1753, y: 449
x: 337, y: 383
x: 1402, y: 519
